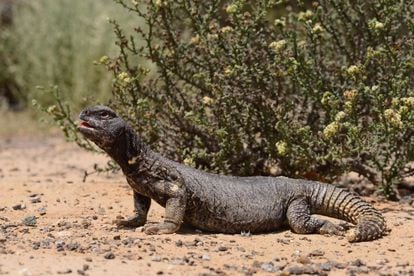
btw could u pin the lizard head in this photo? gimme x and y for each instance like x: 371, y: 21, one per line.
x: 101, y: 125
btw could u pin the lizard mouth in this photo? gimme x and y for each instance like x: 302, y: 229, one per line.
x: 86, y: 127
x: 85, y: 124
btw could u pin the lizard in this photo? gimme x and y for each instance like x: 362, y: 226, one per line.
x: 223, y: 203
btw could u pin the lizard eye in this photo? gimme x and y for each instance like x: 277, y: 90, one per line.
x: 105, y: 114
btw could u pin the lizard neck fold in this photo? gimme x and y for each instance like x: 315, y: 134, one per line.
x: 127, y: 150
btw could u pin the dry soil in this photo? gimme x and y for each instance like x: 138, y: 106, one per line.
x: 51, y: 222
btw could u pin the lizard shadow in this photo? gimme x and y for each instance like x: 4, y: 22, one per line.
x: 188, y: 230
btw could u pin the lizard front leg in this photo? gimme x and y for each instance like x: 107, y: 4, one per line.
x: 141, y: 207
x: 174, y: 210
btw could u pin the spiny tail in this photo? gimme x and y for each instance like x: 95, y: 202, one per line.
x: 334, y: 202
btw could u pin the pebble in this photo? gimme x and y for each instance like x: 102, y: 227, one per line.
x: 109, y: 255
x: 222, y: 248
x: 35, y: 200
x: 19, y: 206
x: 326, y: 266
x: 156, y: 259
x: 303, y: 260
x: 306, y: 269
x: 42, y: 211
x: 73, y: 246
x: 60, y: 245
x: 66, y: 271
x: 317, y: 253
x: 357, y: 263
x: 30, y: 221
x: 268, y: 267
x: 205, y: 257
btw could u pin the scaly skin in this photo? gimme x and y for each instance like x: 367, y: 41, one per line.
x: 219, y: 203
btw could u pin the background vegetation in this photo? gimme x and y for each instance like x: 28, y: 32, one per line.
x: 303, y: 89
x: 56, y: 42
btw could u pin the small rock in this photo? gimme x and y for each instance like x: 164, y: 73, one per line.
x: 35, y: 200
x: 357, y: 263
x: 19, y: 206
x: 179, y: 243
x: 403, y: 264
x: 109, y: 255
x: 297, y: 270
x: 36, y: 245
x: 316, y: 253
x: 268, y: 267
x: 29, y: 221
x: 206, y: 257
x: 42, y: 211
x: 117, y: 237
x: 85, y: 223
x: 73, y: 246
x: 303, y: 260
x: 326, y: 266
x: 222, y: 248
x: 178, y: 261
x: 156, y: 259
x: 66, y: 271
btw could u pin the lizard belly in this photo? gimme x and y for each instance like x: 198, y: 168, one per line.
x: 235, y: 216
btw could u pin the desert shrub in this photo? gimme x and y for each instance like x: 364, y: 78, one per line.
x: 269, y: 87
x: 56, y: 42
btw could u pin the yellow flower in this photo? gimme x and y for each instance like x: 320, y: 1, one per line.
x: 317, y: 29
x: 340, y: 116
x: 393, y: 117
x: 408, y: 101
x: 350, y: 95
x: 280, y: 22
x: 303, y: 16
x: 331, y: 129
x: 353, y: 70
x: 207, y: 100
x: 226, y: 29
x: 195, y: 39
x: 376, y: 25
x: 189, y: 161
x: 281, y: 148
x: 103, y: 59
x: 124, y: 77
x: 231, y: 9
x: 278, y: 46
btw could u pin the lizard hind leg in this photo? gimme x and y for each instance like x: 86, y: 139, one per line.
x: 302, y: 222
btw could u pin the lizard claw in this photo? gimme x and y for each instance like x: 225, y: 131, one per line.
x: 131, y: 222
x: 331, y: 229
x: 160, y: 228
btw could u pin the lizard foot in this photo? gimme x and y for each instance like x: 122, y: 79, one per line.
x: 331, y: 229
x: 160, y: 228
x: 131, y: 222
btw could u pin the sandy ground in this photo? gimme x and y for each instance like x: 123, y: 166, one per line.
x: 73, y: 231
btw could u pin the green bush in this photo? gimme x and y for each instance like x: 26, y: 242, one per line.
x: 251, y: 88
x: 56, y: 42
